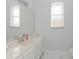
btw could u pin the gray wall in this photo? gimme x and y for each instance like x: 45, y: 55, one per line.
x: 55, y: 39
x: 26, y: 20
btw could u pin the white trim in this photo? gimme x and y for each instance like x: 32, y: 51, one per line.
x: 58, y: 51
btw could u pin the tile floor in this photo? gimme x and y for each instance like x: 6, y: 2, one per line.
x: 54, y: 55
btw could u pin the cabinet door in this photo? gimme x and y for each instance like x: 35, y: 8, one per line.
x: 30, y: 54
x: 38, y: 50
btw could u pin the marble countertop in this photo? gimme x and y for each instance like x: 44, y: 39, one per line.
x: 19, y: 48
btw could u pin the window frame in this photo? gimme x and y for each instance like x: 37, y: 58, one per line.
x: 62, y: 14
x: 12, y: 16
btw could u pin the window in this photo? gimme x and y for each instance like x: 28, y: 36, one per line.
x: 15, y: 16
x: 57, y: 14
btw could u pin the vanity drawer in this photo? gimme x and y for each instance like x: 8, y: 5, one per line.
x: 30, y: 54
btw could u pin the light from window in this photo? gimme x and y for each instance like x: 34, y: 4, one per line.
x: 57, y: 14
x: 15, y: 16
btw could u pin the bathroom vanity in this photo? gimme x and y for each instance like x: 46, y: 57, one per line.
x: 33, y: 49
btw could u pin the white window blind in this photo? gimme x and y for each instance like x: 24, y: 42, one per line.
x: 57, y: 14
x: 15, y: 16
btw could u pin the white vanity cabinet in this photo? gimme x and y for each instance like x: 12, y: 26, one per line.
x: 34, y: 52
x: 30, y: 54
